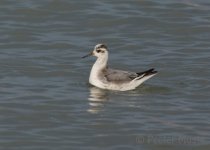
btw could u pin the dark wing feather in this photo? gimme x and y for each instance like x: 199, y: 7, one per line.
x: 147, y: 73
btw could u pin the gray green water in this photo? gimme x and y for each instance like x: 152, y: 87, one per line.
x: 45, y: 99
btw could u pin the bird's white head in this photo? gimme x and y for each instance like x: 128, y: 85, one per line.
x: 99, y: 51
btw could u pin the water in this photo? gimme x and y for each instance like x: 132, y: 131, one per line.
x: 47, y: 103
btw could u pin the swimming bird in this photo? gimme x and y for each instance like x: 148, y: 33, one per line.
x: 104, y: 77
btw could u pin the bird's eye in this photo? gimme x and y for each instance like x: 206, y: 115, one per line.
x: 98, y: 51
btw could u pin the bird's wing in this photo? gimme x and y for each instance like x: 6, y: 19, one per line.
x: 113, y: 75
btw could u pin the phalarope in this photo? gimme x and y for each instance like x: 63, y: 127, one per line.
x: 106, y: 78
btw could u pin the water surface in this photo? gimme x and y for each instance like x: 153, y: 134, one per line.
x: 47, y: 103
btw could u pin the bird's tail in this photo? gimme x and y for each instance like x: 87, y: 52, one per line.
x: 143, y: 76
x: 149, y: 72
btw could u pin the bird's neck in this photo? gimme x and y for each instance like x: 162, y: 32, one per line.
x: 99, y: 66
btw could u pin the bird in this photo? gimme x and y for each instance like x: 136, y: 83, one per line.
x: 107, y: 78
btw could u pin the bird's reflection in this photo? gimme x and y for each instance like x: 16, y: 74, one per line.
x: 96, y: 99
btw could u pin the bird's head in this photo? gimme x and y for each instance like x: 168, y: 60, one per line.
x: 99, y: 51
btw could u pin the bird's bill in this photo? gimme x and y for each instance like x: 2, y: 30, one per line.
x: 90, y: 54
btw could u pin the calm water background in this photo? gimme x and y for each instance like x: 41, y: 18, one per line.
x: 47, y: 103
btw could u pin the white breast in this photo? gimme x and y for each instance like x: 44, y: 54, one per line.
x: 94, y: 78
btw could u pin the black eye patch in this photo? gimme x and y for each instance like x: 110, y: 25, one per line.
x: 99, y: 51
